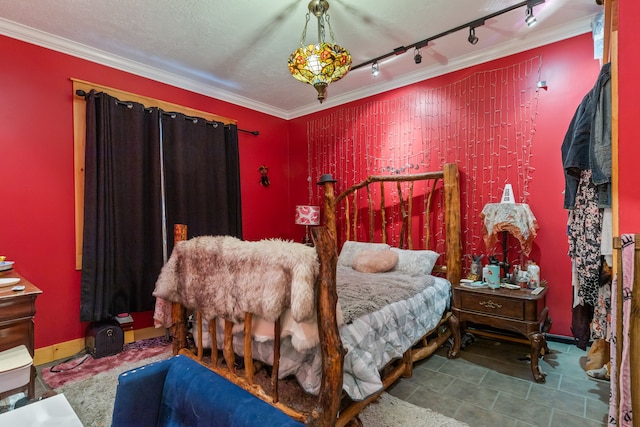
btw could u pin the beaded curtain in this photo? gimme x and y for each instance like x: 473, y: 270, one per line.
x: 484, y: 122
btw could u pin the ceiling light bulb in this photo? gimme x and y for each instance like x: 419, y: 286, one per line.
x: 530, y: 19
x: 472, y: 36
x: 375, y: 69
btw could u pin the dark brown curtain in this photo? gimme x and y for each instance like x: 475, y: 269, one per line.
x: 122, y: 242
x: 129, y: 150
x: 201, y: 177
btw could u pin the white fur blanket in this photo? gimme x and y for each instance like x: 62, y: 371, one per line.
x: 223, y: 276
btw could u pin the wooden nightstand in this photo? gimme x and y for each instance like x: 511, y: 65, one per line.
x: 516, y: 310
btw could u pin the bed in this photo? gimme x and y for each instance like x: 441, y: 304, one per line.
x: 314, y: 347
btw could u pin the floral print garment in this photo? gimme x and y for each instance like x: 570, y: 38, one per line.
x: 601, y: 324
x: 584, y: 239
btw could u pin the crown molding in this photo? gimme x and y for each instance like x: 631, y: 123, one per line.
x: 60, y: 44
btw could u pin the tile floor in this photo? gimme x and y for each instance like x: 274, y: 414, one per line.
x: 489, y: 385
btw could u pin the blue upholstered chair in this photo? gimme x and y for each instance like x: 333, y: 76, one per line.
x: 181, y: 392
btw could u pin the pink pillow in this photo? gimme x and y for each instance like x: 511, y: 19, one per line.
x: 372, y: 261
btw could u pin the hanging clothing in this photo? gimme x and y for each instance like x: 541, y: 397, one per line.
x: 581, y: 316
x: 584, y: 239
x: 587, y: 143
x: 621, y: 414
x: 600, y: 139
x: 586, y: 161
x: 601, y: 323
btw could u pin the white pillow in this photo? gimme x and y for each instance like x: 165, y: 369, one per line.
x: 350, y: 249
x: 415, y: 262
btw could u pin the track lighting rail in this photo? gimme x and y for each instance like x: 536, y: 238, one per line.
x: 471, y: 25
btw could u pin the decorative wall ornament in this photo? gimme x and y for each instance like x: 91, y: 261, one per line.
x: 264, y: 178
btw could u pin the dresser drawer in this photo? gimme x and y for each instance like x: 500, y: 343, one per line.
x: 14, y: 334
x: 17, y: 308
x: 494, y: 305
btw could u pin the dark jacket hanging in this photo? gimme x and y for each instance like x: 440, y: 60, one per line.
x: 587, y: 142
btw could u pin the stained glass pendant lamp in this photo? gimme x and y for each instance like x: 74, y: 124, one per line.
x: 321, y: 63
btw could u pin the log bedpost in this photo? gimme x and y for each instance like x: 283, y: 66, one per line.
x: 178, y: 312
x: 330, y: 210
x: 331, y: 348
x: 452, y: 223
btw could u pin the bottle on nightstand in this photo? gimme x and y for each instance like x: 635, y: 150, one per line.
x: 534, y: 274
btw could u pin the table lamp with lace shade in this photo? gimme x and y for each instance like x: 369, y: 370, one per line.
x: 508, y: 218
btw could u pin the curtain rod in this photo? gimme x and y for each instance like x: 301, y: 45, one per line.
x: 82, y: 93
x: 252, y: 132
x: 473, y: 24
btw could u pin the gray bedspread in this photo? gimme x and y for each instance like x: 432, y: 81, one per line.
x: 364, y: 293
x: 381, y: 328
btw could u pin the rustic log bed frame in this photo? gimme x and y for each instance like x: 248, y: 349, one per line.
x: 332, y: 407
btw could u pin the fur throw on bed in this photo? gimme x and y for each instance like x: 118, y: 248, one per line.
x: 223, y: 276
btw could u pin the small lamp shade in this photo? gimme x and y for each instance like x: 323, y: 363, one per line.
x: 516, y: 218
x: 307, y: 215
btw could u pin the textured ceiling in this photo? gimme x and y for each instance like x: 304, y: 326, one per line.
x: 237, y: 50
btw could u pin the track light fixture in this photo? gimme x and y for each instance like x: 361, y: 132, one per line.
x: 472, y: 36
x: 472, y: 31
x: 529, y: 18
x: 417, y: 57
x: 375, y: 69
x: 473, y: 39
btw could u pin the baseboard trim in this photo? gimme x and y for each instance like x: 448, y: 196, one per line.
x: 70, y: 348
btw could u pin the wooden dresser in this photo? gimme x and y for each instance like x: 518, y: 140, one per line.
x: 17, y: 309
x: 517, y: 311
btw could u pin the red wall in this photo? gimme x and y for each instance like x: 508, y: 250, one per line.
x: 36, y: 173
x: 36, y: 167
x: 570, y: 72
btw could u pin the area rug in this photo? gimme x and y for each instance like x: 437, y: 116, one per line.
x: 389, y: 411
x: 92, y: 399
x: 84, y: 366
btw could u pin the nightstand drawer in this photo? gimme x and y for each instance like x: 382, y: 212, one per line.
x: 493, y: 304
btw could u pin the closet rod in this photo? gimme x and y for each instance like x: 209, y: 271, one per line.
x: 83, y: 94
